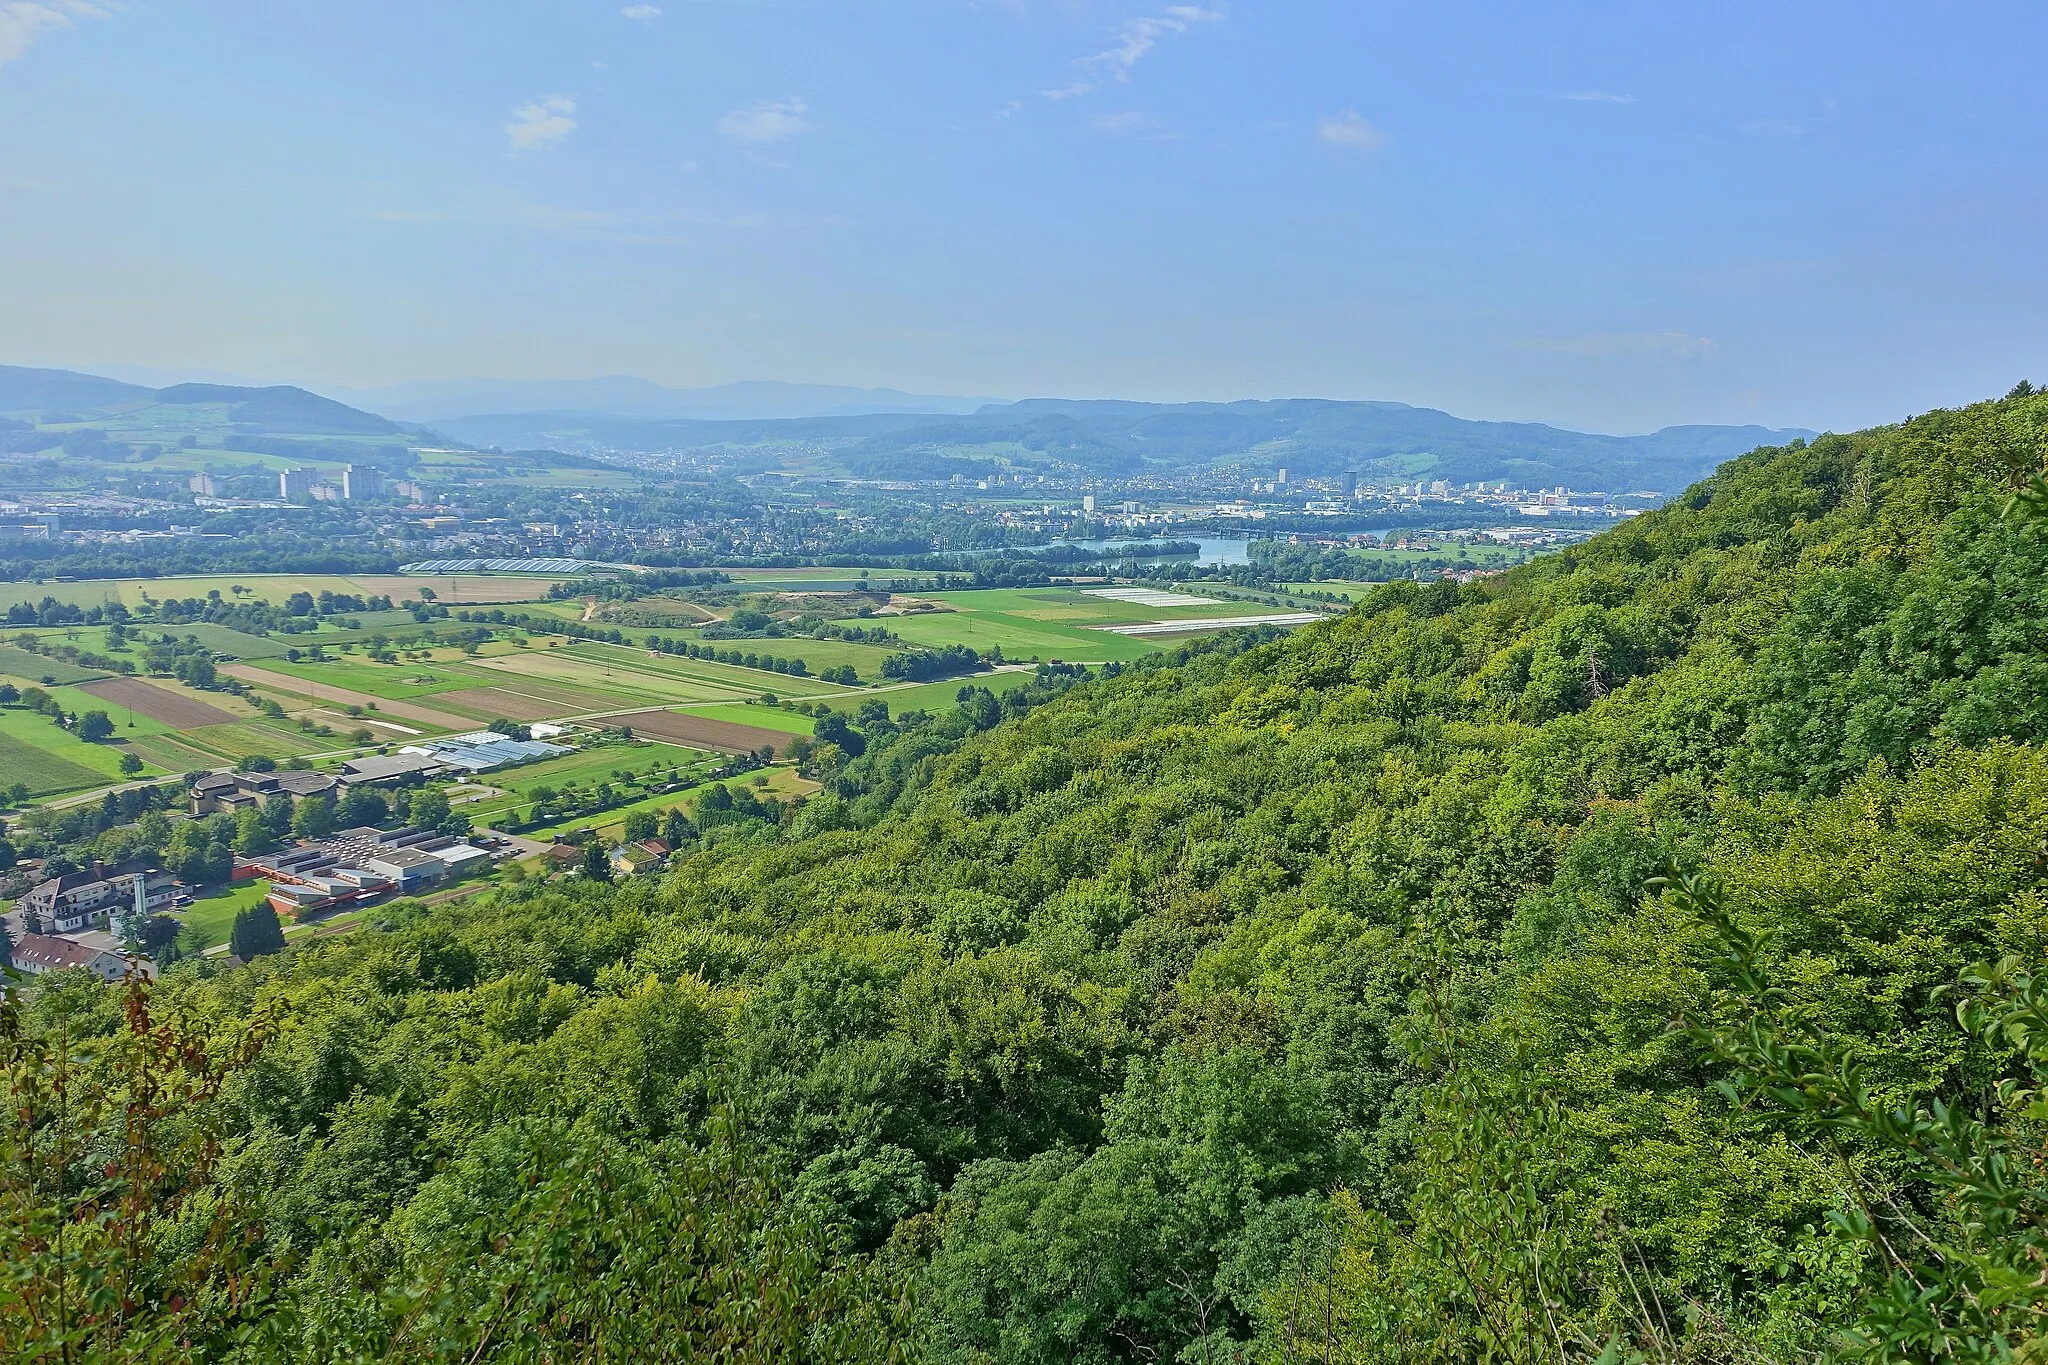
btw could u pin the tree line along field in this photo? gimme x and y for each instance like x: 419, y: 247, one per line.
x: 638, y: 761
x: 449, y: 589
x: 781, y: 783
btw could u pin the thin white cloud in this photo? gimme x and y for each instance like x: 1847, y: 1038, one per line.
x: 1599, y: 97
x: 1348, y: 129
x: 767, y: 121
x: 541, y: 123
x: 1134, y: 39
x: 23, y: 21
x: 642, y: 14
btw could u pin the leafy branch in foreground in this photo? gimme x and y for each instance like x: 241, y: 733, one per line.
x: 116, y: 1245
x: 1950, y: 1198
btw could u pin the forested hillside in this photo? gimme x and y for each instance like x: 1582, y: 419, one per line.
x: 1580, y: 964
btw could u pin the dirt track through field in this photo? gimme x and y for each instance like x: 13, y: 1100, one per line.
x: 184, y: 713
x: 700, y: 731
x: 318, y: 691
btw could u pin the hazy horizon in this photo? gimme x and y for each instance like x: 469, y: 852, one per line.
x: 1598, y: 218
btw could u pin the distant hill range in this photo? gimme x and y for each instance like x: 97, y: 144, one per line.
x: 887, y: 434
x: 1307, y: 437
x: 57, y: 397
x: 620, y: 395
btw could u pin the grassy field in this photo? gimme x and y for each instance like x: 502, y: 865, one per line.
x: 604, y: 762
x: 769, y: 717
x: 982, y: 627
x: 45, y: 772
x: 63, y: 754
x: 218, y: 639
x: 451, y: 589
x: 209, y: 918
x: 817, y: 655
x: 609, y: 763
x: 641, y: 677
x: 21, y: 664
x: 782, y: 783
x: 401, y: 681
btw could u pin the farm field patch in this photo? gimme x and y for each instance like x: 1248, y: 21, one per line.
x: 320, y: 691
x: 609, y: 763
x: 22, y: 664
x: 1077, y: 606
x: 523, y: 699
x: 1018, y: 637
x: 173, y: 753
x: 703, y: 673
x: 783, y: 783
x: 449, y: 589
x: 218, y: 639
x: 700, y: 732
x: 101, y: 763
x: 157, y: 703
x: 228, y: 743
x: 43, y: 771
x: 399, y: 682
x: 620, y: 675
x: 934, y: 697
x: 763, y: 717
x: 817, y: 655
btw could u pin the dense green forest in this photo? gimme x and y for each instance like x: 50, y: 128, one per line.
x: 1621, y: 959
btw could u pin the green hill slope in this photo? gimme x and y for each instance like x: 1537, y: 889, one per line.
x: 1296, y: 998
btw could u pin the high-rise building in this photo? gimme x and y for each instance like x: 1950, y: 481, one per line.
x: 202, y: 484
x: 1350, y: 483
x: 295, y: 485
x: 361, y: 481
x: 1281, y: 482
x: 1088, y: 504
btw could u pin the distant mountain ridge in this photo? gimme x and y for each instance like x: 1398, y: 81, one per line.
x: 1115, y: 438
x: 856, y: 431
x: 278, y: 408
x: 628, y: 396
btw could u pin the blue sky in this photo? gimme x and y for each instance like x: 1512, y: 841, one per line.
x: 1612, y: 216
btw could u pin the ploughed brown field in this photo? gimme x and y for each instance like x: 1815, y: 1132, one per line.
x: 700, y: 732
x: 185, y: 713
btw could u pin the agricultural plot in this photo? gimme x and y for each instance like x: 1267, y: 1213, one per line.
x: 327, y: 692
x: 1057, y: 623
x: 19, y: 663
x: 221, y: 640
x: 701, y: 732
x: 782, y: 783
x: 982, y: 628
x: 449, y: 589
x: 818, y: 655
x: 226, y: 743
x: 43, y: 771
x: 157, y: 703
x: 712, y: 680
x: 396, y: 682
x: 51, y: 759
x: 933, y: 697
x: 607, y: 763
x: 766, y: 717
x: 132, y: 592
